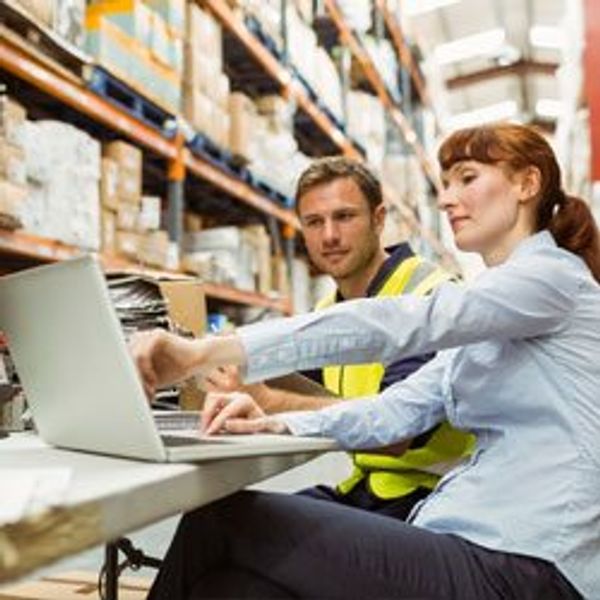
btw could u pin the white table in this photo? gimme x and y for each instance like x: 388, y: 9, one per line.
x: 109, y: 497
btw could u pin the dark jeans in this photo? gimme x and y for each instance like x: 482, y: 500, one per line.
x: 259, y: 545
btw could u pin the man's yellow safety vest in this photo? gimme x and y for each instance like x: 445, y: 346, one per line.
x: 389, y: 476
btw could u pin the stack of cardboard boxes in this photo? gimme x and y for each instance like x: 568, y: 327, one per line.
x: 141, y: 43
x: 13, y: 173
x: 130, y: 220
x: 205, y: 85
x: 63, y: 173
x: 238, y: 256
x: 366, y: 122
x: 65, y: 17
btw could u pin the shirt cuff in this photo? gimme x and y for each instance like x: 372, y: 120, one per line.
x: 302, y: 422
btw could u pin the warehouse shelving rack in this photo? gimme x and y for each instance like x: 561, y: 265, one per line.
x: 27, y: 63
x: 350, y: 39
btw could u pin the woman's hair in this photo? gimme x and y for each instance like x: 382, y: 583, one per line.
x: 516, y: 147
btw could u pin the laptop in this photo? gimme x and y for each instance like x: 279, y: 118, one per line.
x: 81, y: 383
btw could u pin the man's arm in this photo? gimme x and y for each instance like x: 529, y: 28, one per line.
x: 274, y: 400
x: 283, y: 394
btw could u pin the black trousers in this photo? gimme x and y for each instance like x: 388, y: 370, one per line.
x: 259, y: 545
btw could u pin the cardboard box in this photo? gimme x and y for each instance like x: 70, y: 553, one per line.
x: 129, y: 157
x: 149, y: 216
x: 12, y: 121
x: 128, y: 244
x: 76, y: 585
x: 129, y: 186
x: 12, y: 197
x: 197, y: 110
x: 128, y: 216
x: 154, y: 249
x: 12, y: 163
x: 108, y: 234
x: 109, y: 183
x: 205, y: 33
x: 241, y: 114
x: 202, y: 71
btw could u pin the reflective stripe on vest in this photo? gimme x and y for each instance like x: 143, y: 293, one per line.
x: 388, y: 476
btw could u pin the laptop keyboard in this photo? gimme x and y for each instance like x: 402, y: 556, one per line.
x: 179, y: 440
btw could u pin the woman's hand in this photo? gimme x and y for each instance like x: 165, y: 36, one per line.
x: 163, y: 359
x: 237, y: 412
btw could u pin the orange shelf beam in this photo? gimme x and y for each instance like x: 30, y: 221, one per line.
x: 46, y: 251
x: 404, y: 54
x: 16, y: 61
x: 241, y: 190
x: 290, y: 89
x: 230, y: 294
x: 349, y: 39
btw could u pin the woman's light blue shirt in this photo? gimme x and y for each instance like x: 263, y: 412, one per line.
x: 520, y: 369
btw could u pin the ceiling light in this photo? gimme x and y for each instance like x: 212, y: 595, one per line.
x: 546, y: 36
x: 412, y: 8
x: 493, y: 112
x: 549, y: 108
x: 480, y: 44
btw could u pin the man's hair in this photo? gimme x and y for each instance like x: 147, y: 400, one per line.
x: 331, y: 168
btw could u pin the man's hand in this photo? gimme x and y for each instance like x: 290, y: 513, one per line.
x: 237, y: 412
x: 163, y: 358
x: 223, y: 379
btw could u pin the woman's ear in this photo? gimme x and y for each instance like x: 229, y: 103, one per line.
x: 530, y: 183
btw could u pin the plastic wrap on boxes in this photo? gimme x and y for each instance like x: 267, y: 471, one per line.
x: 149, y: 216
x: 69, y: 17
x: 172, y: 11
x: 63, y: 165
x: 12, y: 163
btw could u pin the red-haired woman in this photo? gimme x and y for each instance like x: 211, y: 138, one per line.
x: 517, y: 366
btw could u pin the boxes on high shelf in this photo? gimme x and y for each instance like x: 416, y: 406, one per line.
x: 172, y: 11
x: 128, y: 216
x: 280, y: 275
x: 109, y: 183
x: 12, y: 163
x: 12, y: 121
x: 108, y: 234
x: 129, y: 160
x: 242, y: 113
x: 149, y: 216
x: 258, y: 238
x: 154, y: 249
x: 12, y: 197
x: 204, y: 33
x: 160, y: 40
x: 69, y: 21
x: 128, y: 244
x: 197, y: 109
x: 201, y: 71
x: 132, y: 17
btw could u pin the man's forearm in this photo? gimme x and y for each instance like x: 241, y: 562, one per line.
x: 273, y: 400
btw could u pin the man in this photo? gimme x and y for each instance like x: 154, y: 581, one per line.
x: 340, y: 206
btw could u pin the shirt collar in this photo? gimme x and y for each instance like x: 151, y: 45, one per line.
x: 531, y: 244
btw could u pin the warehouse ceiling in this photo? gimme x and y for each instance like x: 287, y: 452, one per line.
x: 496, y: 58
